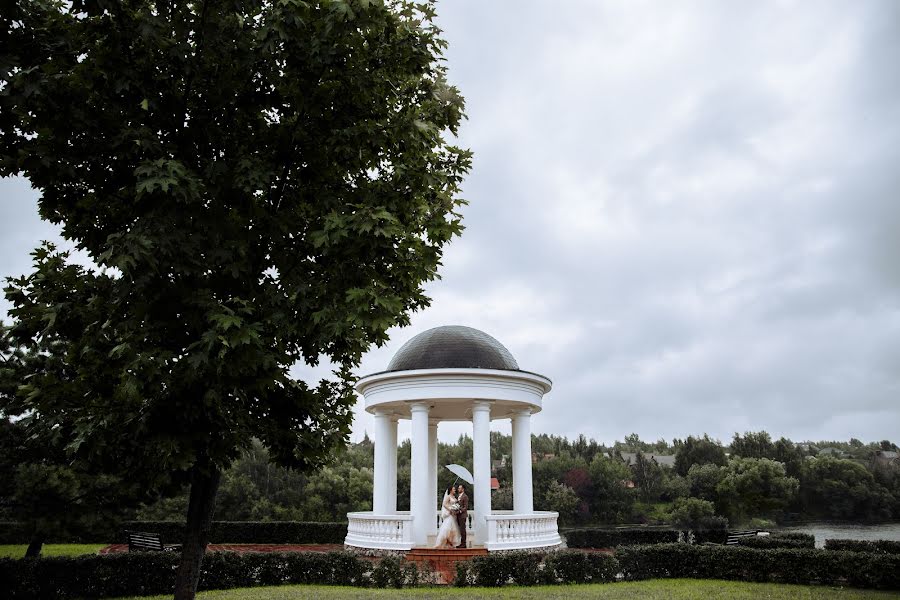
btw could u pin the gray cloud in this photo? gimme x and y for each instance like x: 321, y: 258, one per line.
x: 684, y: 215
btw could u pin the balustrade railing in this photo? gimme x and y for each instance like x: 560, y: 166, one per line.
x: 369, y: 530
x: 505, y: 530
x: 509, y: 531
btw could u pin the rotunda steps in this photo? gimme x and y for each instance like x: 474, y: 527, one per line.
x: 443, y: 560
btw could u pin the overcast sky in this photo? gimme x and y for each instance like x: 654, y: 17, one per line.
x: 685, y: 214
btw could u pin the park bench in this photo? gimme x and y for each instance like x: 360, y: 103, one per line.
x: 143, y: 541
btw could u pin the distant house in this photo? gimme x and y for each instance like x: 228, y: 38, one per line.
x: 663, y: 460
x: 830, y: 451
x: 500, y: 463
x: 886, y: 458
x: 535, y: 457
x: 495, y: 485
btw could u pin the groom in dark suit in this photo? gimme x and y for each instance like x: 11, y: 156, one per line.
x: 462, y: 515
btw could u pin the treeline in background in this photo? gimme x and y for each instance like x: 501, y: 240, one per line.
x: 697, y: 482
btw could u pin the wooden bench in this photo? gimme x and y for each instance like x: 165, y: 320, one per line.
x: 143, y: 541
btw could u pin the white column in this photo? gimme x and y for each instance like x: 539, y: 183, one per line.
x: 392, y: 463
x: 420, y: 506
x: 433, y: 472
x: 523, y: 501
x: 380, y: 484
x: 481, y: 467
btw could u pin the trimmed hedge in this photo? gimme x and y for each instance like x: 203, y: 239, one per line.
x: 147, y: 573
x: 780, y: 565
x: 14, y: 532
x: 612, y: 538
x: 527, y: 568
x: 877, y: 546
x: 778, y: 541
x: 248, y: 532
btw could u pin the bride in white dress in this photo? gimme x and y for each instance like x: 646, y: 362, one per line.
x: 448, y: 535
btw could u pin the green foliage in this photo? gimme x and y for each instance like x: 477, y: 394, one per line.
x: 568, y: 567
x: 612, y: 501
x: 777, y: 540
x: 877, y: 546
x: 147, y: 573
x: 795, y: 566
x: 751, y: 487
x: 691, y: 513
x: 753, y: 445
x: 261, y: 184
x: 836, y: 488
x: 494, y: 570
x: 611, y: 538
x: 527, y: 569
x: 698, y: 451
x: 394, y: 572
x: 648, y: 477
x: 703, y: 481
x: 50, y: 494
x: 560, y: 498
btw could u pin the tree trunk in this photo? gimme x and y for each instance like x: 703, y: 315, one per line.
x: 204, y: 484
x: 34, y: 546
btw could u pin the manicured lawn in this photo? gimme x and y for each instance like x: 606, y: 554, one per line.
x: 669, y: 589
x: 18, y: 550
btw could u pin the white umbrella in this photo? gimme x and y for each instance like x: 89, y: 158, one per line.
x: 461, y: 473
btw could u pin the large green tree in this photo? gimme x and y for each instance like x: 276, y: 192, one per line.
x: 259, y: 183
x: 698, y: 451
x: 752, y: 487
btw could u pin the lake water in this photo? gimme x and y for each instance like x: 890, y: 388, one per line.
x: 846, y: 531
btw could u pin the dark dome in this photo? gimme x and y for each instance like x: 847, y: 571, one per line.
x: 453, y: 347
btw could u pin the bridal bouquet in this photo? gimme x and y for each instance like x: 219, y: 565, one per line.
x: 454, y: 506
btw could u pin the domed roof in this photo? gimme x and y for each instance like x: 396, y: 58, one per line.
x: 453, y: 347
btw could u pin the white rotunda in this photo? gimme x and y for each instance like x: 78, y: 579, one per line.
x: 451, y: 373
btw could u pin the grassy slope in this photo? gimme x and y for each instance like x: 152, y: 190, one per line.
x: 672, y: 589
x: 18, y: 550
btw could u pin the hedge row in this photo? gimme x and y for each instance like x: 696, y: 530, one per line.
x: 778, y: 541
x: 612, y: 538
x: 780, y: 565
x: 878, y: 546
x: 525, y: 568
x: 13, y: 532
x: 248, y: 532
x: 146, y: 573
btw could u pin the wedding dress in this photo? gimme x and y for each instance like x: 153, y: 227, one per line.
x: 448, y: 534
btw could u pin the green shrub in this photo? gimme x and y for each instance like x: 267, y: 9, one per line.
x: 612, y: 538
x: 779, y: 565
x: 573, y: 566
x: 394, y: 572
x: 878, y: 546
x: 525, y: 568
x: 492, y: 570
x: 248, y: 532
x: 148, y: 573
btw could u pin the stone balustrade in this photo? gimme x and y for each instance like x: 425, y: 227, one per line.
x: 509, y: 531
x: 506, y: 530
x: 388, y: 532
